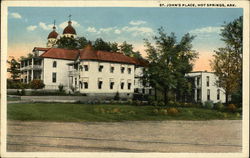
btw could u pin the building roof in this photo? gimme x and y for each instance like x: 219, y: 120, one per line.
x: 60, y: 53
x: 69, y: 29
x: 88, y: 53
x: 40, y: 49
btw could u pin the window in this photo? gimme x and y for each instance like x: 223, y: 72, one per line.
x: 111, y: 85
x: 150, y: 92
x: 54, y: 63
x: 86, y: 85
x: 129, y: 70
x: 122, y: 85
x: 86, y: 67
x: 143, y: 91
x: 100, y: 68
x: 80, y: 68
x: 99, y: 84
x: 207, y: 81
x: 75, y: 81
x: 80, y: 83
x: 129, y: 85
x: 122, y: 69
x: 198, y: 81
x: 218, y: 94
x: 112, y: 68
x: 54, y: 77
x: 208, y: 94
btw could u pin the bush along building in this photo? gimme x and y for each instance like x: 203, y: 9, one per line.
x: 85, y: 70
x: 101, y: 73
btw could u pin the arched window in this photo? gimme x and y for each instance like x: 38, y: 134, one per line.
x: 54, y: 63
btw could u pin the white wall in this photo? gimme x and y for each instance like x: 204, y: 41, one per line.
x: 93, y: 75
x: 61, y: 73
x: 213, y: 88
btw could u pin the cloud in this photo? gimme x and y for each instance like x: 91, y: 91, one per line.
x: 138, y: 22
x: 65, y: 23
x: 31, y: 27
x: 91, y: 29
x: 16, y: 15
x: 209, y: 29
x: 45, y: 27
x: 138, y: 31
x: 133, y: 30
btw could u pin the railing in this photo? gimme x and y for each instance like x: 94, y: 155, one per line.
x: 73, y: 73
x: 29, y: 67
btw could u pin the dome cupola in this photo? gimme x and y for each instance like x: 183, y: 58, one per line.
x: 53, y: 34
x: 52, y: 37
x: 69, y: 30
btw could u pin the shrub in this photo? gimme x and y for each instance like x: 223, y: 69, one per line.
x: 173, y: 111
x: 208, y: 104
x: 22, y: 92
x: 60, y: 87
x: 161, y: 103
x: 117, y: 96
x: 218, y: 106
x: 231, y: 108
x: 37, y: 84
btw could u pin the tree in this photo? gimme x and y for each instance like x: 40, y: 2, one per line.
x: 114, y: 47
x: 227, y: 62
x: 14, y: 69
x: 100, y: 44
x: 126, y: 48
x: 169, y: 60
x: 67, y: 42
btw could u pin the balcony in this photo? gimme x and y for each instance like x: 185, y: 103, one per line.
x: 73, y: 73
x: 31, y: 67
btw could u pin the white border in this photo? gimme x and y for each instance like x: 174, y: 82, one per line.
x: 245, y: 138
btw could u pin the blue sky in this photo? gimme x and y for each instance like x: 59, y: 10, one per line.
x: 29, y: 26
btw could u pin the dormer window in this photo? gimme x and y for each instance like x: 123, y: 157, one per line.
x: 54, y: 64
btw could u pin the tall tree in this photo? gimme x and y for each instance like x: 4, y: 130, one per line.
x: 126, y: 48
x: 227, y: 62
x: 14, y: 69
x: 67, y: 42
x: 114, y: 47
x: 169, y: 60
x: 100, y: 44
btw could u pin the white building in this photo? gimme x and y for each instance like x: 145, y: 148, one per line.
x: 86, y: 70
x: 96, y: 72
x: 205, y: 88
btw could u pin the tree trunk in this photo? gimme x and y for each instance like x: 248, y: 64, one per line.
x: 226, y: 98
x: 166, y: 96
x: 155, y: 94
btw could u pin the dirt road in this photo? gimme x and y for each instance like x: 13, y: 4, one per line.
x: 150, y: 136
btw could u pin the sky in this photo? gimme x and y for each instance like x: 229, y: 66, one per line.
x: 28, y: 27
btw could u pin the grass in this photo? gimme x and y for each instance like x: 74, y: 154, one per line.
x: 106, y: 113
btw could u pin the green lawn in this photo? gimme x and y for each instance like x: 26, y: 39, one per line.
x: 105, y: 112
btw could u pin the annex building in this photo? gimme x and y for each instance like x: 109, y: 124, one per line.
x: 96, y: 72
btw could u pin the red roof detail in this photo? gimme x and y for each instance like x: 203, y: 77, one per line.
x: 141, y: 62
x: 88, y: 53
x: 53, y: 34
x: 69, y: 29
x: 40, y: 49
x: 59, y: 53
